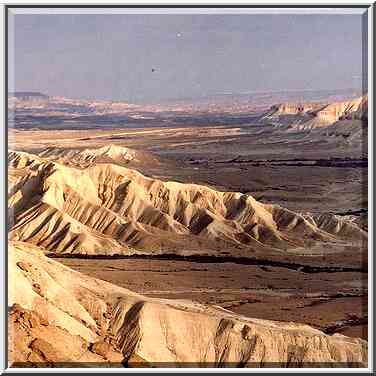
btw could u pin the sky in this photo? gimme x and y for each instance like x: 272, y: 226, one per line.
x: 155, y: 57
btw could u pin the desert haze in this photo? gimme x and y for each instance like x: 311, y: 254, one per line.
x: 227, y: 232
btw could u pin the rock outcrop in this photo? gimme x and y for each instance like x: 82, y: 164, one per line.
x: 311, y: 116
x: 88, y: 157
x: 61, y: 317
x: 107, y: 209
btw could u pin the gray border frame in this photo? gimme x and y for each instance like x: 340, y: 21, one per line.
x: 365, y: 67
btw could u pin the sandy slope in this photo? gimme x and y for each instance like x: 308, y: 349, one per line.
x: 61, y: 316
x: 108, y: 209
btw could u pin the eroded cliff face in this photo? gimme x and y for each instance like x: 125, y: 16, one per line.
x: 350, y: 110
x: 108, y: 209
x: 308, y: 116
x: 60, y: 316
x: 295, y: 108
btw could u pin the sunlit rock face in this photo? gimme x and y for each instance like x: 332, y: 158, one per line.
x: 60, y: 316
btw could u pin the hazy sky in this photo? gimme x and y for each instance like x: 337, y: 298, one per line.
x: 112, y: 56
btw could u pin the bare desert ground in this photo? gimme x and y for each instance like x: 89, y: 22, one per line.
x: 265, y: 220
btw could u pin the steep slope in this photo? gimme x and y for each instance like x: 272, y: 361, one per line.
x: 108, y: 209
x: 60, y: 316
x: 312, y: 116
x: 356, y: 109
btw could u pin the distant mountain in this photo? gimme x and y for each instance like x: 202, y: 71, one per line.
x: 309, y: 115
x: 344, y: 122
x: 27, y: 95
x: 263, y: 99
x: 33, y: 109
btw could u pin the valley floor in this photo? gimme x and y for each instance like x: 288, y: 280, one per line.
x: 332, y: 302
